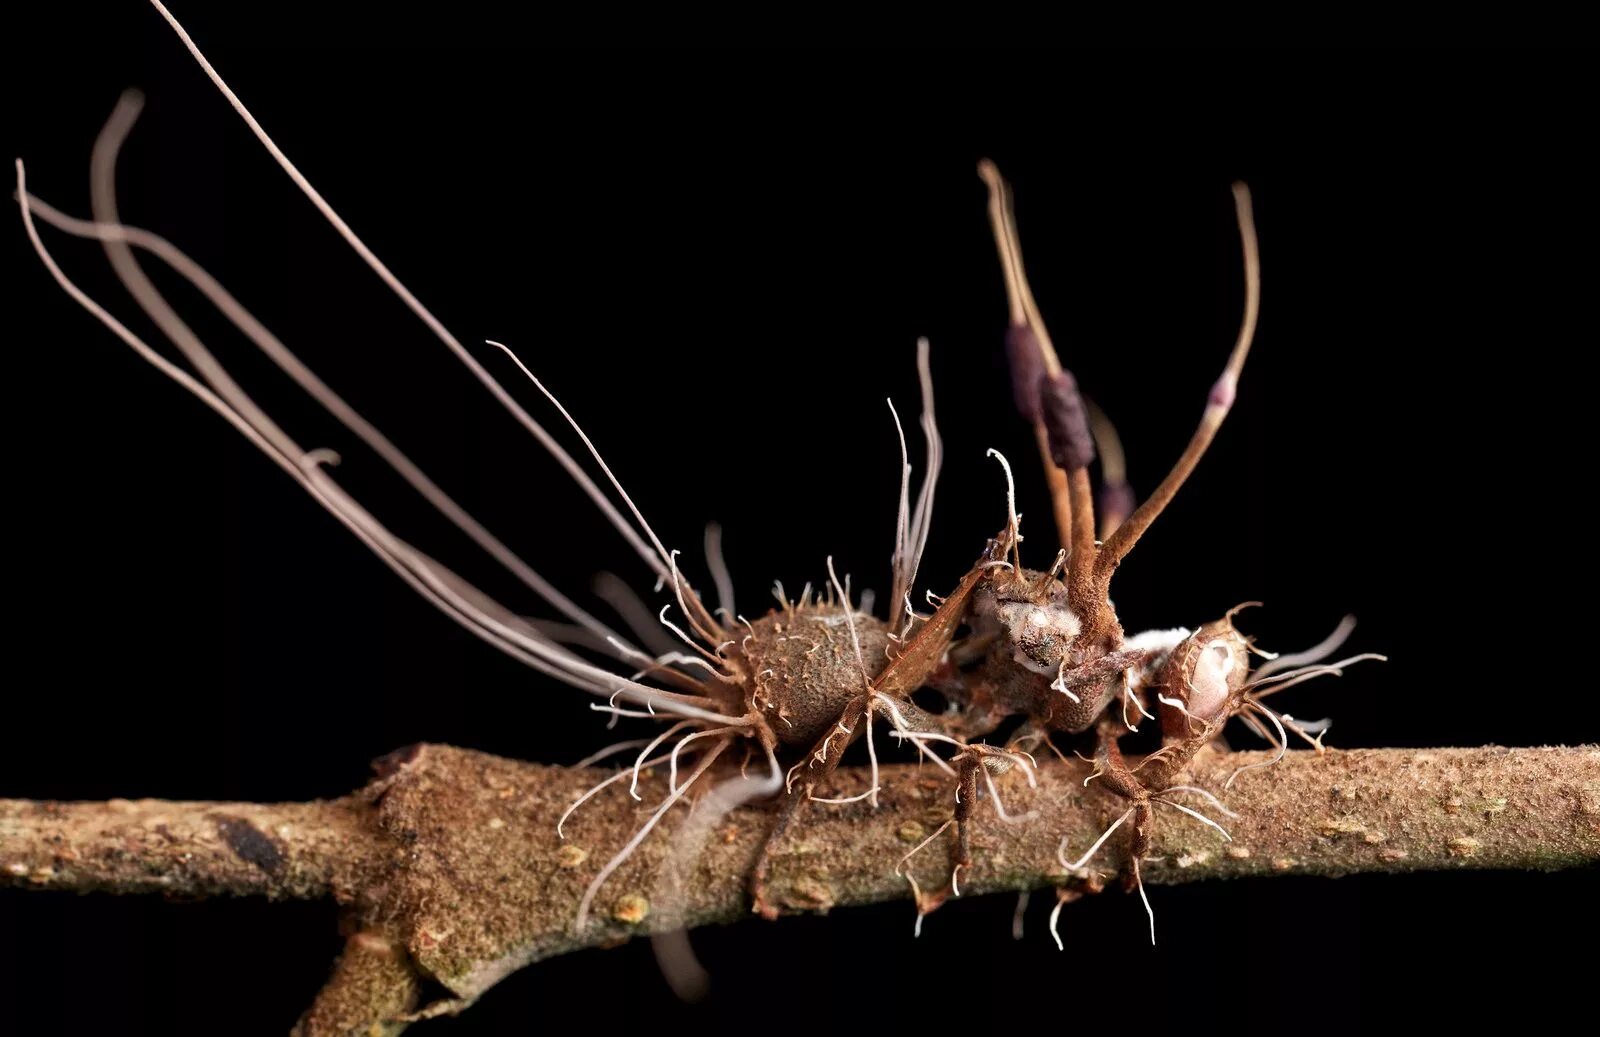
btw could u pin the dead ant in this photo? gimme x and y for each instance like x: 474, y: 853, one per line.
x: 1047, y: 646
x: 805, y: 680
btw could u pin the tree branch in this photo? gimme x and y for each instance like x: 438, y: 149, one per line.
x: 450, y: 868
x: 279, y: 850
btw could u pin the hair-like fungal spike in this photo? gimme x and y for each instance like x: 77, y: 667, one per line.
x: 1218, y: 402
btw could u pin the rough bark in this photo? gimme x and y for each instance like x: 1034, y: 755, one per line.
x: 450, y: 869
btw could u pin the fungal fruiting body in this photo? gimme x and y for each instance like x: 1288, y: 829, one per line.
x: 796, y: 686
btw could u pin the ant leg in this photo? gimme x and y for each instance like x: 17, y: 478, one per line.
x: 1144, y: 794
x: 1109, y: 760
x: 966, y: 799
x: 1029, y: 738
x: 908, y: 722
x: 818, y: 764
x: 1117, y: 546
x: 1097, y: 671
x: 922, y: 655
x: 1073, y: 890
x: 890, y: 694
x: 977, y: 763
x: 1115, y: 771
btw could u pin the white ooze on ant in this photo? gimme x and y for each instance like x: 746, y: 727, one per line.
x: 1159, y: 643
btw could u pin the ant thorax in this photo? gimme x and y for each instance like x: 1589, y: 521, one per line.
x: 1041, y: 661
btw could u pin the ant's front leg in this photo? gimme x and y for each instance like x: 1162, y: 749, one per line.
x: 1111, y: 767
x: 1205, y: 684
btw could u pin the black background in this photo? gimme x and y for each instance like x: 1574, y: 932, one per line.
x: 720, y: 262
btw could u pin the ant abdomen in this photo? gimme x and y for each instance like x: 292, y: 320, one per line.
x: 800, y: 668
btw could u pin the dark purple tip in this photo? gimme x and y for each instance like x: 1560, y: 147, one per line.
x: 1027, y: 369
x: 1066, y: 422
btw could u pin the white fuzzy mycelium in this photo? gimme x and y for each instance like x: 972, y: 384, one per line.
x: 1159, y: 641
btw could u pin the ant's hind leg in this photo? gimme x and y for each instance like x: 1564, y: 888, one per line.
x: 907, y: 721
x: 799, y: 784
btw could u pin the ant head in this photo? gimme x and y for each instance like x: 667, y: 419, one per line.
x: 1035, y: 621
x: 1035, y: 612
